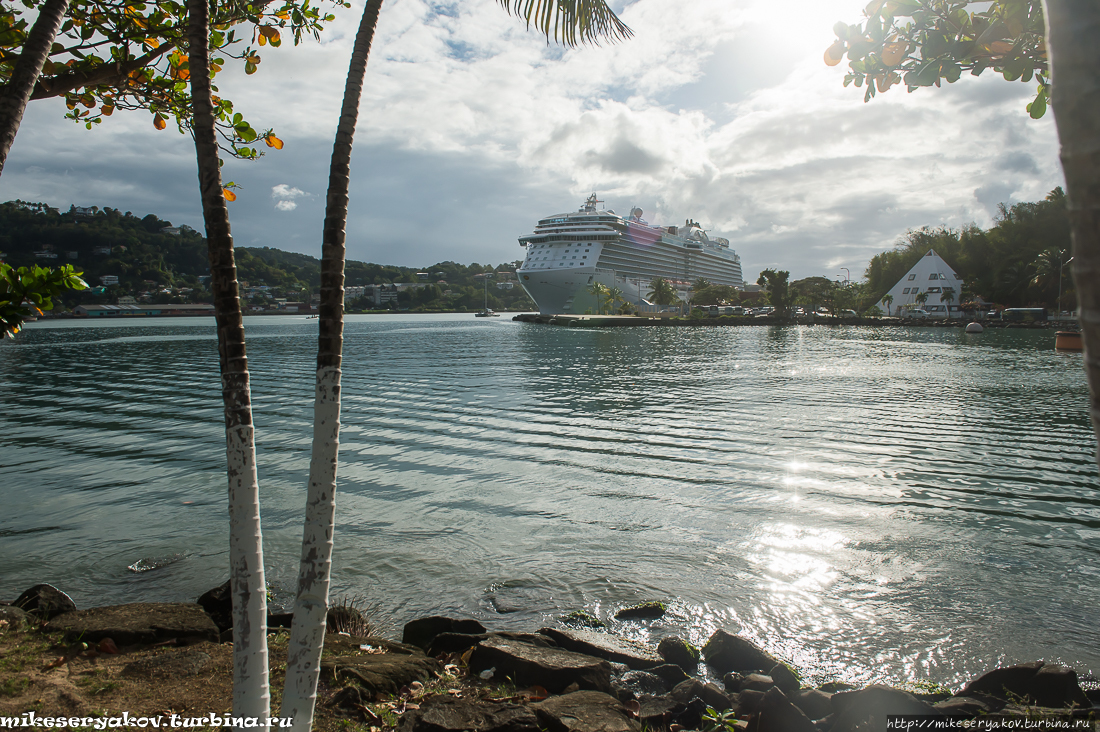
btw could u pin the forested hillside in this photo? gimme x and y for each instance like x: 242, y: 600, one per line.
x: 156, y: 262
x: 1015, y: 263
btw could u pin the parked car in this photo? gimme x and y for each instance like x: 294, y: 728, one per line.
x: 916, y: 313
x: 848, y: 314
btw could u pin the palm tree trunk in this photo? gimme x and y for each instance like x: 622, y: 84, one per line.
x: 251, y: 695
x: 307, y: 635
x: 13, y: 102
x: 1072, y: 29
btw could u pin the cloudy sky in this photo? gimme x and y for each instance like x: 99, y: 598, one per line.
x: 472, y: 128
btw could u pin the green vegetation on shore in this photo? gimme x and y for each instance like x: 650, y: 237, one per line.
x: 159, y: 263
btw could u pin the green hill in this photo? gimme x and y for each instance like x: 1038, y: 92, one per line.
x: 159, y: 263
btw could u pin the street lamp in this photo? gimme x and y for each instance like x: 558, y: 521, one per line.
x: 1060, y: 266
x: 848, y: 272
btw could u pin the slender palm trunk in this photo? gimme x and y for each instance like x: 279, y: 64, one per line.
x: 307, y: 635
x: 251, y: 695
x: 1072, y: 29
x: 13, y: 102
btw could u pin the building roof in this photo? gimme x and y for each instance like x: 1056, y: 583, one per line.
x: 930, y: 271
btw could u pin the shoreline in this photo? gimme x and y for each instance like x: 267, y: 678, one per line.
x: 146, y: 659
x: 625, y: 321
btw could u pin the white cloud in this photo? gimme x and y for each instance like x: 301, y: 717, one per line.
x: 718, y: 110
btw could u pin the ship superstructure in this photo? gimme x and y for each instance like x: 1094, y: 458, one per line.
x: 567, y: 253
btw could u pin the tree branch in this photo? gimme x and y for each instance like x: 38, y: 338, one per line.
x: 64, y: 83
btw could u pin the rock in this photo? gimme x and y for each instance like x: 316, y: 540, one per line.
x: 757, y: 682
x: 422, y: 631
x: 347, y: 698
x: 685, y: 691
x: 582, y: 619
x: 965, y: 706
x: 218, y: 604
x: 813, y: 703
x: 656, y: 712
x: 638, y: 684
x: 784, y: 678
x: 584, y: 711
x: 1047, y: 685
x: 379, y: 673
x: 778, y: 714
x: 551, y: 668
x: 669, y: 673
x: 732, y: 681
x: 45, y: 601
x: 678, y: 651
x: 642, y: 611
x: 445, y: 714
x: 15, y: 617
x: 454, y: 643
x: 604, y: 645
x: 172, y: 664
x: 139, y: 622
x: 691, y: 716
x: 749, y: 701
x: 832, y: 687
x: 728, y: 652
x: 866, y: 710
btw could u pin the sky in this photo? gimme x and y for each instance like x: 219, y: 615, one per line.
x: 472, y: 127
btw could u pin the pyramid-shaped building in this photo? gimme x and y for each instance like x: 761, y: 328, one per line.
x: 929, y: 275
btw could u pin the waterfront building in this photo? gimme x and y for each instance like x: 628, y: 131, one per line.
x: 931, y: 275
x: 129, y: 311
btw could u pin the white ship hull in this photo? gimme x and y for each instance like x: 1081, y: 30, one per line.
x: 568, y: 253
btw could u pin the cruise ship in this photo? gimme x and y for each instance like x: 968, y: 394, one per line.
x: 569, y: 252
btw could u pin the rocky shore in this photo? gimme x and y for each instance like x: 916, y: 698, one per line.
x: 454, y: 674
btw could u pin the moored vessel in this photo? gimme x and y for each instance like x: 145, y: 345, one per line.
x: 568, y: 253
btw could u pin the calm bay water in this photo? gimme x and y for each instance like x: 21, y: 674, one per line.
x: 867, y: 503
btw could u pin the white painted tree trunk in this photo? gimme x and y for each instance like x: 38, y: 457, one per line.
x: 307, y: 634
x: 251, y: 689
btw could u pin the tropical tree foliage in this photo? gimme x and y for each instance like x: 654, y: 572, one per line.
x: 704, y: 292
x: 662, y: 292
x: 27, y: 291
x: 1016, y: 262
x: 598, y: 290
x: 778, y: 289
x: 102, y: 56
x: 925, y: 42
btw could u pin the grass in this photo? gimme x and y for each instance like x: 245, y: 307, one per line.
x: 96, y: 683
x: 14, y: 687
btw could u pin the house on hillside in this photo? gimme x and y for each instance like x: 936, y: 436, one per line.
x: 933, y: 277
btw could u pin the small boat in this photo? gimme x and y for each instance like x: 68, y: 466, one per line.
x: 1068, y: 340
x: 486, y: 313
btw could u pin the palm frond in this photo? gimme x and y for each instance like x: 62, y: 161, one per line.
x: 570, y: 22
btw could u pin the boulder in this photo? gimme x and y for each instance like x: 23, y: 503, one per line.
x: 777, y: 714
x: 529, y: 665
x: 813, y: 703
x: 14, y: 615
x: 454, y: 643
x: 669, y: 673
x: 757, y: 682
x: 728, y: 652
x: 867, y: 709
x: 638, y: 684
x: 968, y: 707
x: 218, y: 604
x: 711, y: 694
x: 582, y: 619
x: 45, y: 601
x: 446, y: 714
x: 139, y: 622
x: 422, y: 631
x: 379, y: 673
x: 784, y: 678
x: 1047, y: 685
x: 656, y: 712
x: 642, y: 611
x: 584, y: 711
x: 680, y: 652
x: 749, y: 701
x: 604, y: 645
x: 170, y: 664
x: 732, y: 681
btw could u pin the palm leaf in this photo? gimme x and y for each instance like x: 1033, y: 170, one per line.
x: 570, y: 22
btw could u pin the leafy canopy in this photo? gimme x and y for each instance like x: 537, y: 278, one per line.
x: 36, y: 286
x: 129, y: 54
x: 924, y: 42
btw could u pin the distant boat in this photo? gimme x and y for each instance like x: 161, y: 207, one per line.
x: 486, y: 313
